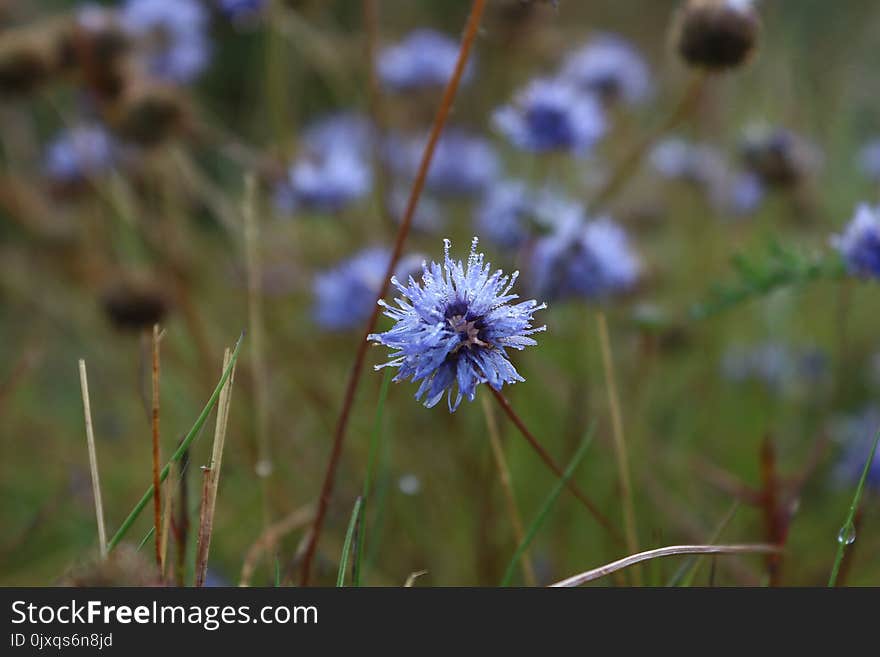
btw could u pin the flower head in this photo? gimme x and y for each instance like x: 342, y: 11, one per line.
x: 344, y: 295
x: 79, y: 154
x: 869, y: 160
x: 463, y: 164
x: 174, y: 34
x: 452, y: 330
x: 424, y: 59
x: 856, y: 432
x: 717, y: 34
x: 584, y: 259
x: 552, y: 115
x: 332, y: 170
x: 241, y: 9
x: 611, y: 68
x: 860, y: 242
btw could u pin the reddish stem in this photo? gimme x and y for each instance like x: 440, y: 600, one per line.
x: 354, y: 377
x: 548, y: 460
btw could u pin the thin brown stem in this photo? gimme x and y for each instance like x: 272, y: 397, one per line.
x: 157, y: 460
x: 182, y: 522
x: 672, y: 550
x: 620, y: 448
x: 628, y: 166
x: 550, y: 463
x: 507, y: 486
x: 403, y: 231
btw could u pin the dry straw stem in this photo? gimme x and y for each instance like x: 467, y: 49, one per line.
x: 157, y: 490
x: 166, y: 522
x: 507, y: 485
x: 672, y: 550
x: 212, y: 476
x: 411, y: 580
x: 269, y: 539
x: 263, y: 466
x: 470, y: 34
x: 93, y: 458
x: 620, y: 448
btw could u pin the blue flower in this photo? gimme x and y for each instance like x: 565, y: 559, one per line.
x: 424, y: 59
x: 463, y: 164
x: 583, y: 259
x: 552, y: 115
x: 428, y: 217
x: 346, y: 294
x: 503, y: 215
x: 174, y: 35
x: 453, y: 329
x: 333, y: 169
x: 860, y: 242
x: 856, y: 433
x: 869, y: 160
x: 678, y: 159
x: 611, y: 68
x: 241, y: 9
x: 511, y: 212
x: 79, y: 154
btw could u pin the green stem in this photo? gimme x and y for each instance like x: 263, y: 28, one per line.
x: 538, y: 522
x: 849, y: 525
x: 349, y: 535
x: 181, y: 449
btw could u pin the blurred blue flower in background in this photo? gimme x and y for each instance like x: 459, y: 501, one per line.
x: 678, y: 159
x: 241, y: 9
x: 504, y: 213
x: 463, y: 164
x: 584, y: 259
x: 174, y: 35
x: 79, y: 153
x: 869, y: 160
x: 424, y: 59
x: 454, y: 327
x: 860, y: 242
x: 345, y: 295
x: 552, y: 115
x: 333, y: 169
x: 611, y: 68
x: 428, y: 217
x: 855, y: 432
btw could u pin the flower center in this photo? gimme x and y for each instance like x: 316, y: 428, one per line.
x: 468, y: 332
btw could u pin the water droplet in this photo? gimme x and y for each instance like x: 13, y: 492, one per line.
x: 847, y: 534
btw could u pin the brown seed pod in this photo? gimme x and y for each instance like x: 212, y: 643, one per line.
x: 101, y: 47
x: 716, y: 35
x: 124, y: 566
x: 781, y: 158
x: 134, y: 302
x: 32, y: 56
x: 149, y: 113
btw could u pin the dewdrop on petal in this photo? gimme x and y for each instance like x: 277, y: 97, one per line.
x: 453, y: 328
x: 716, y: 35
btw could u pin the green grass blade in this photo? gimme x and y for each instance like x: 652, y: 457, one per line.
x: 539, y: 520
x: 849, y: 525
x: 178, y: 454
x: 375, y: 442
x: 349, y: 535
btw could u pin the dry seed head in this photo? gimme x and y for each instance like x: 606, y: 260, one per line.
x: 134, y: 302
x: 149, y: 113
x: 716, y: 35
